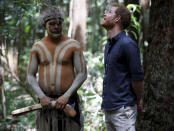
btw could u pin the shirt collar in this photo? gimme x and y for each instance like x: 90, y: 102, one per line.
x: 116, y: 38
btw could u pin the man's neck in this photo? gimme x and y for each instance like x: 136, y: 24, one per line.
x: 53, y: 39
x: 113, y: 32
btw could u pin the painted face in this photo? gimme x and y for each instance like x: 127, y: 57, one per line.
x: 109, y: 19
x: 54, y: 28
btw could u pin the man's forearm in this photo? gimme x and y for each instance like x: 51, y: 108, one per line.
x: 33, y: 83
x: 80, y: 78
x: 138, y: 87
x: 80, y: 66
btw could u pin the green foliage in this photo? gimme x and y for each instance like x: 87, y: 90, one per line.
x: 20, y: 24
x: 91, y: 93
x: 24, y: 59
x: 135, y: 27
x: 16, y: 98
x: 96, y: 35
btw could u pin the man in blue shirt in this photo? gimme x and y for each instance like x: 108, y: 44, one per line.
x: 123, y: 83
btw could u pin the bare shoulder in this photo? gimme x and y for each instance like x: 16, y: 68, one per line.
x: 36, y: 46
x: 73, y: 44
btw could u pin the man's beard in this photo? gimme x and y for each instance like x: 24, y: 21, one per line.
x: 107, y: 24
x: 54, y: 34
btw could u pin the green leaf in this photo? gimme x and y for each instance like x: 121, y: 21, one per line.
x: 12, y: 22
x: 27, y: 29
x: 135, y: 35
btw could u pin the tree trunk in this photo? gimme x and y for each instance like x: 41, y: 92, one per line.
x: 13, y: 59
x: 145, y: 5
x: 2, y: 93
x: 3, y: 61
x: 78, y: 18
x: 159, y: 71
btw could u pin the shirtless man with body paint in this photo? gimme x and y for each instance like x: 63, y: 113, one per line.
x: 61, y: 69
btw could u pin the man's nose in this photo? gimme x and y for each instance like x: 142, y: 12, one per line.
x: 56, y: 25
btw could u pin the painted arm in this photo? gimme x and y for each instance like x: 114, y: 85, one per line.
x: 31, y: 75
x: 80, y: 67
x: 31, y: 78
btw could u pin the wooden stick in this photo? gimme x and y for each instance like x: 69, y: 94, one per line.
x: 69, y: 111
x: 27, y: 109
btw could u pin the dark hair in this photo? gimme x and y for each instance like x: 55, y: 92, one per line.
x: 124, y: 13
x: 50, y: 13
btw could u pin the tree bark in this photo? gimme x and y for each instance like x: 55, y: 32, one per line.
x: 159, y: 73
x: 2, y: 93
x: 3, y: 61
x: 145, y: 5
x: 78, y: 18
x: 13, y: 59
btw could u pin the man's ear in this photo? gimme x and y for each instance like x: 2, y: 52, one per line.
x: 117, y: 18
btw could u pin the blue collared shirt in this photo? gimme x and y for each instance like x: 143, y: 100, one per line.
x: 122, y: 66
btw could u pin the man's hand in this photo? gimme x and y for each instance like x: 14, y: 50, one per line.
x: 140, y: 106
x: 45, y: 101
x: 138, y: 87
x: 69, y: 111
x: 61, y: 102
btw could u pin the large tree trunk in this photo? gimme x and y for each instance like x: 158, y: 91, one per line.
x: 13, y: 59
x: 3, y: 61
x: 145, y: 5
x: 159, y: 71
x: 78, y: 18
x: 2, y: 93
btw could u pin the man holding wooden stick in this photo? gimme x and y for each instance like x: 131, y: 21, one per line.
x: 61, y: 69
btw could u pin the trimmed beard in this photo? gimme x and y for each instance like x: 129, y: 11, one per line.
x: 107, y: 24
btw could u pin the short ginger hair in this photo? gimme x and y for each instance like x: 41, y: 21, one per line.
x: 124, y: 13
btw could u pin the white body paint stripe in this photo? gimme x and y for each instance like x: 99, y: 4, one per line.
x: 53, y: 63
x: 60, y: 46
x: 48, y: 55
x: 63, y: 47
x: 35, y: 48
x: 58, y: 82
x: 42, y: 60
x: 49, y: 58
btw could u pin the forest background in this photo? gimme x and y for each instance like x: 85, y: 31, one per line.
x: 152, y: 28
